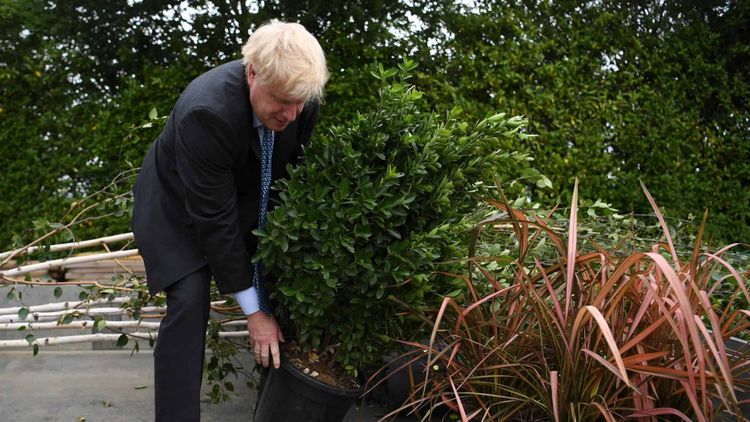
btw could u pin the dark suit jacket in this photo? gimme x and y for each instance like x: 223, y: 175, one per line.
x: 197, y: 194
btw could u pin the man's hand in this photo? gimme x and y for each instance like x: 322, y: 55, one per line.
x: 265, y: 336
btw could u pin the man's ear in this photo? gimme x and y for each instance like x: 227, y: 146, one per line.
x: 250, y: 74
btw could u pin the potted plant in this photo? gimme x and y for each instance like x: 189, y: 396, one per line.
x: 560, y: 329
x: 378, y: 206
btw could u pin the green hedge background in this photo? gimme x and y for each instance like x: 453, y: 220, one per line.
x: 619, y: 91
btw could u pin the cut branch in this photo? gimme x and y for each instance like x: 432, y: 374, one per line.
x: 62, y: 306
x: 72, y: 245
x: 149, y: 325
x: 51, y: 341
x: 51, y: 316
x: 65, y: 261
x: 49, y: 325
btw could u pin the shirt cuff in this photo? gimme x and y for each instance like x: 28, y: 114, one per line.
x: 248, y: 300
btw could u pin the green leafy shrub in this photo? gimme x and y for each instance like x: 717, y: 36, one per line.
x: 378, y: 206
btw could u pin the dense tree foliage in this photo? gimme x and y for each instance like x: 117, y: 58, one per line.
x: 618, y: 91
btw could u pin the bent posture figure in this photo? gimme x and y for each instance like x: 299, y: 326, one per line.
x: 204, y: 186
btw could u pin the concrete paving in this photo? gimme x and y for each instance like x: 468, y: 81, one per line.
x: 111, y: 386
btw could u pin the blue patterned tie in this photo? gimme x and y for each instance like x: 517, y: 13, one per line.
x: 266, y: 148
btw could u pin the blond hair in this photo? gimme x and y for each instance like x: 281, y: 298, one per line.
x: 287, y: 57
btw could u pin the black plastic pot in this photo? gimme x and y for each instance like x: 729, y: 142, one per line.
x: 289, y: 396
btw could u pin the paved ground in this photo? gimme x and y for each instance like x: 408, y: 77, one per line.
x: 109, y: 386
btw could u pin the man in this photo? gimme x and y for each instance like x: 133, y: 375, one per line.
x: 202, y: 189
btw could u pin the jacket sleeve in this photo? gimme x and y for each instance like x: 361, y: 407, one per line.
x: 205, y: 149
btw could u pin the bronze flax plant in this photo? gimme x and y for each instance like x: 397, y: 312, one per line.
x: 585, y: 336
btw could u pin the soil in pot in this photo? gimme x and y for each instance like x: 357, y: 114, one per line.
x: 322, y: 369
x: 289, y: 394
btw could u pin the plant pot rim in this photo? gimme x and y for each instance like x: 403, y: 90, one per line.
x: 290, y: 368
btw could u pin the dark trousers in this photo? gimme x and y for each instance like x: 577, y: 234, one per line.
x: 180, y: 348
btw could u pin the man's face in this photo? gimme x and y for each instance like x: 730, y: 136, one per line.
x: 274, y: 109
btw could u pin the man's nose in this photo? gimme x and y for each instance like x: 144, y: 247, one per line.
x: 290, y: 112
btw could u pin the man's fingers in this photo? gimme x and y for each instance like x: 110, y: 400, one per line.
x: 264, y: 338
x: 264, y: 356
x: 275, y: 353
x: 256, y: 352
